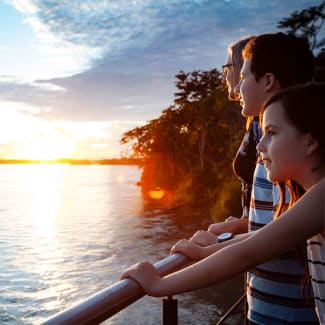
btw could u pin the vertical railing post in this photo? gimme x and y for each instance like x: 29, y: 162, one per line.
x: 170, y: 312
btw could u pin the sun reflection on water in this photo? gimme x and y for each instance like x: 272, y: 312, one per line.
x: 46, y: 258
x: 62, y: 235
x: 44, y: 183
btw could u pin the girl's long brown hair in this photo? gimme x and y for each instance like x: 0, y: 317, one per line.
x: 296, y: 191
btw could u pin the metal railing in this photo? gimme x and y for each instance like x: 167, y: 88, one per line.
x: 106, y: 303
x: 111, y: 300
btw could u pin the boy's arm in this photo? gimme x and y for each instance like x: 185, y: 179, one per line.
x: 234, y: 225
x: 210, y: 237
x: 197, y: 252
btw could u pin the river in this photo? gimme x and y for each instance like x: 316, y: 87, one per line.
x: 68, y: 231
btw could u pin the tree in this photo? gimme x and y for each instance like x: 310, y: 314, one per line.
x: 307, y: 23
x: 188, y: 150
x: 320, y: 66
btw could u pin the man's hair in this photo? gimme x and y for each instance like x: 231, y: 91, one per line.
x: 286, y: 56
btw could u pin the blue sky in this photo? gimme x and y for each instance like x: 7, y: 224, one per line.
x: 74, y: 75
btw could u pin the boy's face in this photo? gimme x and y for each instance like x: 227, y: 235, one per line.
x: 252, y: 92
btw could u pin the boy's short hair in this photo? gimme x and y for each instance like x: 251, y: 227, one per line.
x: 287, y: 56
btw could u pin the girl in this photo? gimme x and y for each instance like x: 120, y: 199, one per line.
x: 292, y: 147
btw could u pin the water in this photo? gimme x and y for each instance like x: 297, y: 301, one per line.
x: 67, y: 232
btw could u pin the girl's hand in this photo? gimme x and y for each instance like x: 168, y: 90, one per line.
x: 193, y: 251
x: 146, y: 275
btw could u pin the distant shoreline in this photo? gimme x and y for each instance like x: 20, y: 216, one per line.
x: 113, y: 161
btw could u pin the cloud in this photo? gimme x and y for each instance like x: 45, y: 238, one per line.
x: 25, y: 6
x: 30, y: 97
x: 120, y: 57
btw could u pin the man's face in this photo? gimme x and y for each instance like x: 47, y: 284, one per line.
x: 229, y: 78
x: 252, y: 92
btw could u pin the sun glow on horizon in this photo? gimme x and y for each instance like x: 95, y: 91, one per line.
x: 44, y: 149
x: 27, y: 137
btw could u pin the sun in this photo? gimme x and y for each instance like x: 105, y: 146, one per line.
x: 43, y: 145
x: 34, y: 138
x: 45, y: 149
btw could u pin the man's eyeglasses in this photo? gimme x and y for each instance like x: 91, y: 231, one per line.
x: 225, y: 68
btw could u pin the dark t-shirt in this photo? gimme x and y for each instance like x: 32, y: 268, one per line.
x: 245, y: 162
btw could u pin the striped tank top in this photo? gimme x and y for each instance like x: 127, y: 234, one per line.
x: 316, y: 262
x: 274, y: 288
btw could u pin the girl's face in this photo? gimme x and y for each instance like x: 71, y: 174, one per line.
x: 282, y: 146
x: 229, y: 78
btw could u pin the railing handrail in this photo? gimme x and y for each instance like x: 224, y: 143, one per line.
x: 111, y: 300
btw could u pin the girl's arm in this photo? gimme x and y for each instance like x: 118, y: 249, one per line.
x: 305, y: 219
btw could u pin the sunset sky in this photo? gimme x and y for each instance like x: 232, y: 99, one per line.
x: 76, y: 74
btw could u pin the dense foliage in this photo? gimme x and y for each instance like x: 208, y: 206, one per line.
x: 188, y: 150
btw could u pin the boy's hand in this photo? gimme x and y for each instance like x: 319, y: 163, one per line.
x: 225, y: 226
x: 220, y: 227
x: 204, y: 238
x: 188, y: 248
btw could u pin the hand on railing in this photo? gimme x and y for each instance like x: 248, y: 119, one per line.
x: 204, y: 238
x: 109, y: 301
x: 146, y: 275
x: 190, y: 249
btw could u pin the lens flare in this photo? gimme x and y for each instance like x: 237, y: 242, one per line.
x: 157, y: 194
